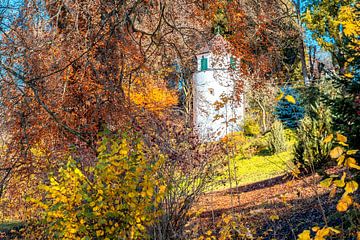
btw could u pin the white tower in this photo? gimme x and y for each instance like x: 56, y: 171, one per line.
x: 217, y: 109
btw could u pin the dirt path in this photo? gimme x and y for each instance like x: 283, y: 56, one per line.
x: 297, y: 202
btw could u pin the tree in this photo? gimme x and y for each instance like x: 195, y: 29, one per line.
x: 262, y: 35
x: 69, y: 70
x: 336, y: 26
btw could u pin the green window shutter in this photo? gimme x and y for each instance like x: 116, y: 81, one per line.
x: 232, y: 63
x: 204, y: 64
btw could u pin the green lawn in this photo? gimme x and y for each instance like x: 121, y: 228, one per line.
x: 254, y: 169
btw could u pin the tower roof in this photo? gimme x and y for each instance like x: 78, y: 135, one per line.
x: 217, y: 44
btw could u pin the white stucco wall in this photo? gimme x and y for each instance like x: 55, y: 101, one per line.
x: 216, y: 113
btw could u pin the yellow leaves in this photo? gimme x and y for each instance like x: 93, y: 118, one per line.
x: 124, y: 188
x: 162, y: 189
x: 305, y: 235
x: 349, y: 20
x: 336, y: 152
x: 351, y: 187
x: 132, y: 194
x: 344, y: 203
x: 150, y: 191
x: 340, y: 160
x: 72, y: 230
x: 351, y: 163
x: 341, y: 138
x: 209, y: 233
x: 326, y: 183
x: 334, y: 230
x: 348, y: 75
x: 351, y: 152
x: 328, y: 138
x: 290, y: 99
x: 341, y: 182
x: 226, y: 219
x: 308, y: 17
x: 96, y: 208
x: 322, y: 233
x: 281, y: 95
x: 99, y: 233
x: 78, y: 172
x: 274, y: 217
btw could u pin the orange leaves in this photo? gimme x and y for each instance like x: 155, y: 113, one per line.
x: 151, y: 93
x: 154, y: 98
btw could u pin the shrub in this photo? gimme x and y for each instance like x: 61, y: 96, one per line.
x: 344, y: 102
x: 277, y: 140
x: 251, y: 127
x: 289, y: 110
x: 119, y: 200
x: 311, y: 151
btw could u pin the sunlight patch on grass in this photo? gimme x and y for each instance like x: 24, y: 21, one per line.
x: 254, y: 169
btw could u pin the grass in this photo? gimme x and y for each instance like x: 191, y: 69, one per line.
x: 256, y: 168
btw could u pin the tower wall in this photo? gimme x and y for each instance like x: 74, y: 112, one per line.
x: 216, y: 113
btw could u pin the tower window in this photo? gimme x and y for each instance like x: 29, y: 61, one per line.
x: 232, y: 63
x: 204, y: 64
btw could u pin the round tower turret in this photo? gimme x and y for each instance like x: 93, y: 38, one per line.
x: 217, y: 111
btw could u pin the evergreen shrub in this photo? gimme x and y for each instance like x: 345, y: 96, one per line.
x: 288, y: 112
x: 311, y: 150
x: 277, y: 139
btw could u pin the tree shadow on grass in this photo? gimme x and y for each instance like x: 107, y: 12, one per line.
x: 260, y: 185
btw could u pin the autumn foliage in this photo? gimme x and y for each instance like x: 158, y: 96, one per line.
x: 119, y: 197
x: 96, y: 135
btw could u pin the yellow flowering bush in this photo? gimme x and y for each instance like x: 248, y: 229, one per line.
x: 118, y: 200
